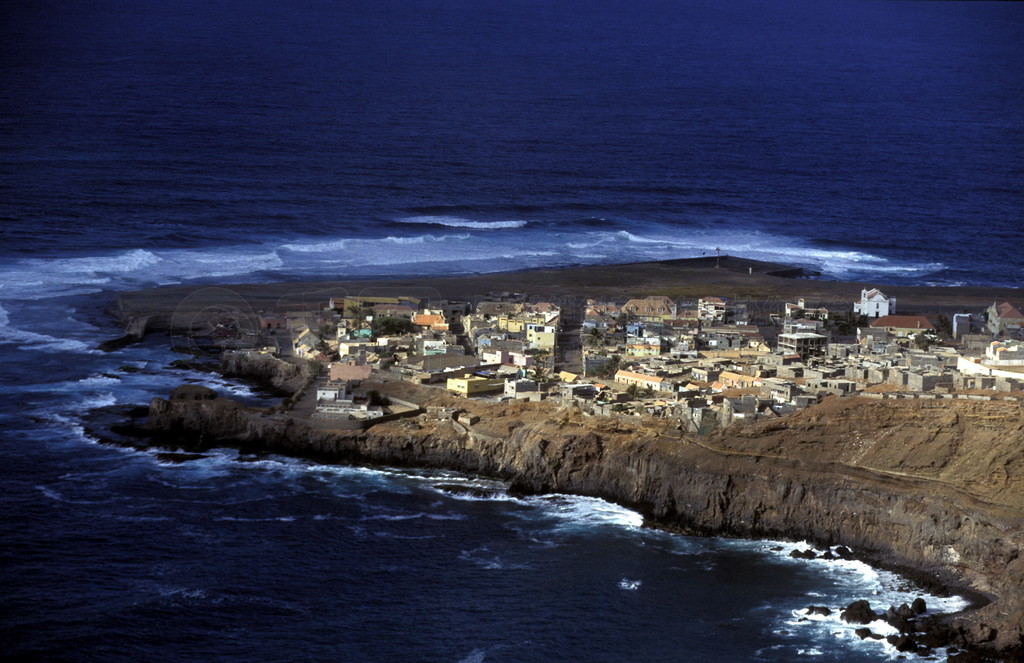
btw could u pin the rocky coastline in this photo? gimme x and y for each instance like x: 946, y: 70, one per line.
x: 933, y: 490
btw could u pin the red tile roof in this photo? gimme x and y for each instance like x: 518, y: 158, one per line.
x: 902, y: 322
x: 1006, y: 310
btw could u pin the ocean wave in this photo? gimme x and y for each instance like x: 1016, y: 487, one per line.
x: 42, y: 278
x: 576, y: 511
x: 491, y: 561
x: 854, y: 580
x: 537, y: 244
x: 29, y: 340
x: 459, y: 222
x: 629, y: 585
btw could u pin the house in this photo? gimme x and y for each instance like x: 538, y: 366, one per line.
x: 780, y: 391
x: 522, y: 388
x: 334, y: 390
x: 800, y: 308
x: 306, y: 344
x: 1004, y: 353
x: 432, y: 321
x: 272, y: 322
x: 732, y: 380
x: 1005, y: 319
x: 393, y: 311
x: 493, y: 309
x: 903, y: 326
x: 646, y: 349
x: 639, y: 379
x: 875, y: 304
x: 475, y: 385
x: 541, y: 336
x: 656, y: 308
x: 348, y: 371
x: 711, y: 309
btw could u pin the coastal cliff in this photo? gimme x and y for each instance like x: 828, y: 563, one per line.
x: 285, y: 377
x: 930, y: 485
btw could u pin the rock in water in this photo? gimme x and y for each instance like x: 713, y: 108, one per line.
x: 842, y: 552
x: 193, y: 392
x: 859, y: 612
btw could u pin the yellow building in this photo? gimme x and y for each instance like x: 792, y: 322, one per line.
x: 517, y: 322
x: 643, y: 350
x: 474, y: 385
x: 541, y: 336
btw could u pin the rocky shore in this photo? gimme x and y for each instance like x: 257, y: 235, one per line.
x: 936, y: 488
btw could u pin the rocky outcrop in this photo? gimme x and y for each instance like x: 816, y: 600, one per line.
x: 910, y: 484
x: 283, y: 376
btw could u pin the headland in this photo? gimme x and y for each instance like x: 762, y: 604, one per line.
x: 929, y: 483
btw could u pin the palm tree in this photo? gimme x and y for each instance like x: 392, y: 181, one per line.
x: 594, y: 338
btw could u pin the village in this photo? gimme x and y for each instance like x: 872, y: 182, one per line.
x: 707, y: 363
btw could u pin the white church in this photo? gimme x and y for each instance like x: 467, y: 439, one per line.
x: 874, y: 304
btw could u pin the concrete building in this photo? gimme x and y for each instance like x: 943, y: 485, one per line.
x: 475, y: 385
x: 1004, y: 319
x: 805, y: 344
x: 654, y: 309
x: 711, y: 309
x: 640, y: 380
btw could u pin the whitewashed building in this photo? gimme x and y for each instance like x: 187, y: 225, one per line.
x: 874, y: 304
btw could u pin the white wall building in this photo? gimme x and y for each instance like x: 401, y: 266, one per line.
x: 874, y: 304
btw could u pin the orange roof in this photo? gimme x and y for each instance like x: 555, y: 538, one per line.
x: 427, y: 319
x: 1006, y: 310
x: 902, y: 322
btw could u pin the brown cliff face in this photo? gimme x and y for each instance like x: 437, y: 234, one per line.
x: 285, y: 377
x: 934, y: 485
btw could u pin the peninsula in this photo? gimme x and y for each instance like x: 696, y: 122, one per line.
x: 729, y: 399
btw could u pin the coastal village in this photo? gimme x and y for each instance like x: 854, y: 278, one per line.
x: 706, y: 363
x: 886, y: 425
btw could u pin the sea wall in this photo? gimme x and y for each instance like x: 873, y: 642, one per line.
x: 911, y: 484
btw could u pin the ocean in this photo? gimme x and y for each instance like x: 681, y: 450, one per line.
x: 152, y: 143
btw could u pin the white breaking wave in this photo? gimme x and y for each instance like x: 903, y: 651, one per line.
x: 459, y: 222
x: 41, y: 278
x: 857, y: 580
x: 35, y: 341
x: 629, y: 585
x: 576, y: 511
x: 428, y: 254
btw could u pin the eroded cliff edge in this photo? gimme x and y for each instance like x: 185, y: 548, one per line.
x: 933, y: 485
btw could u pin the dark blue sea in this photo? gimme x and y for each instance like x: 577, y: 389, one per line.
x: 154, y: 142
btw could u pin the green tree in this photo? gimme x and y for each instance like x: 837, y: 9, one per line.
x: 612, y: 367
x: 594, y: 338
x: 376, y: 398
x: 633, y: 391
x: 392, y: 326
